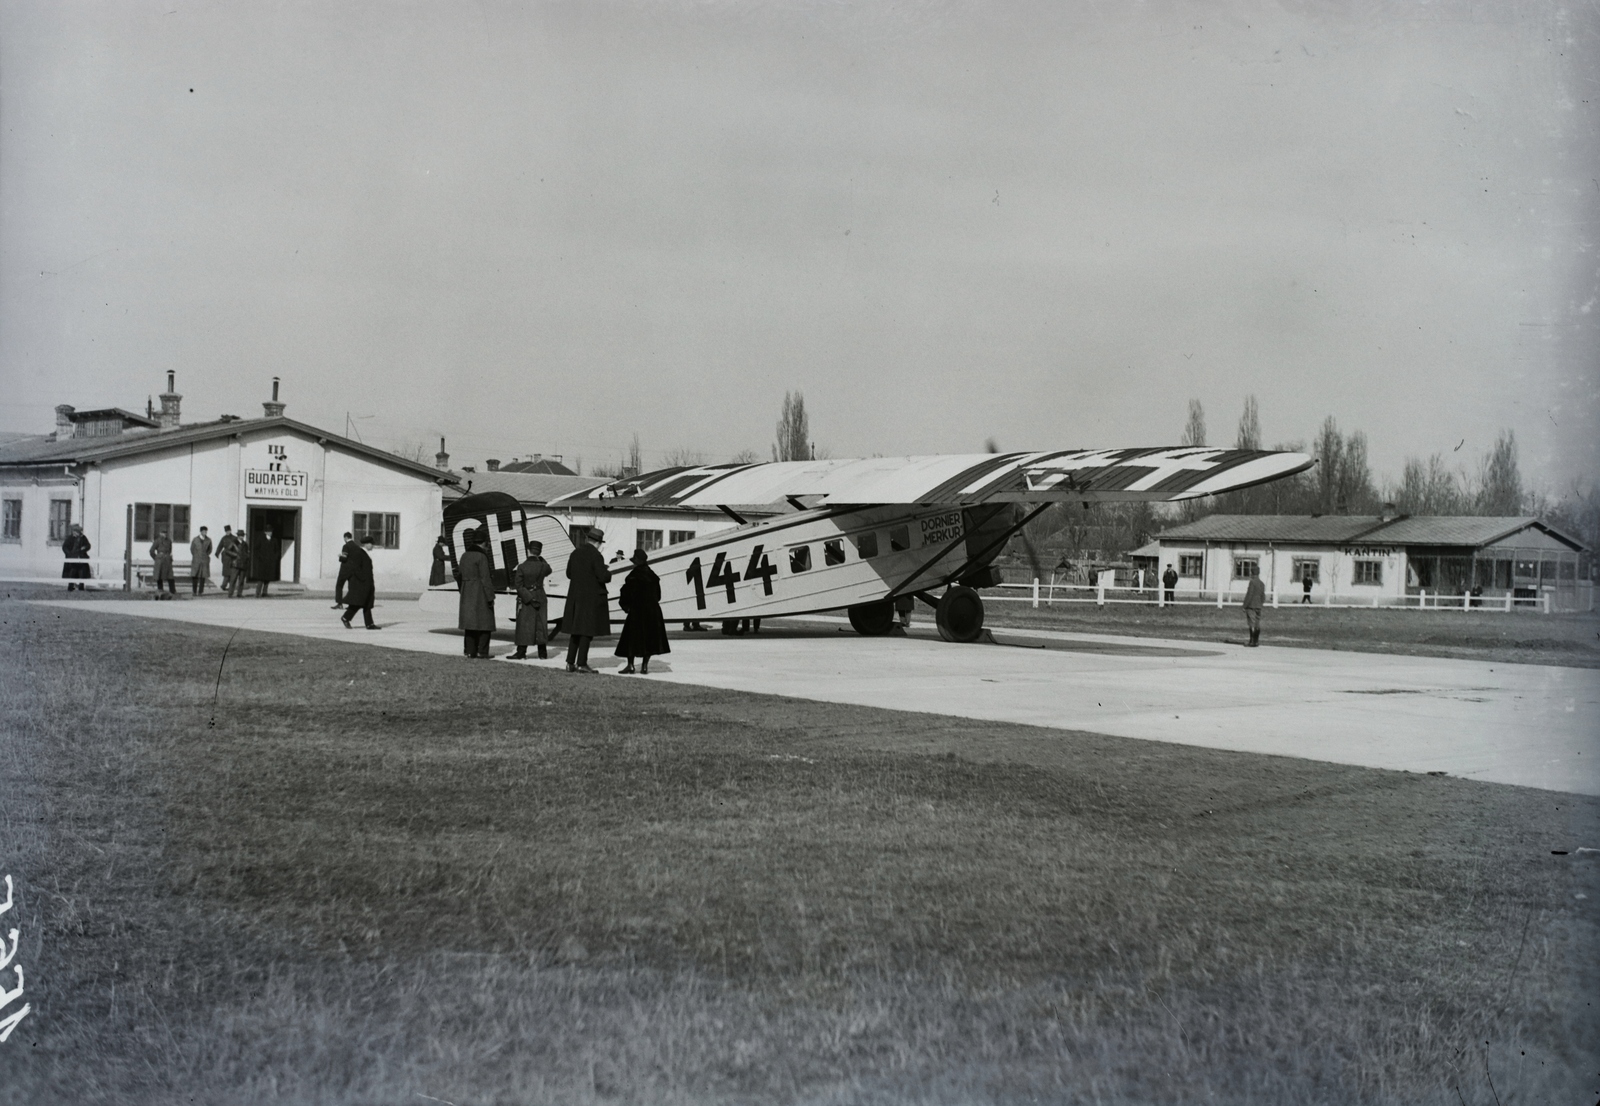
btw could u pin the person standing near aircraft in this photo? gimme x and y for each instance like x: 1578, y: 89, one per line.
x: 200, y: 561
x: 360, y: 590
x: 161, y: 559
x: 1169, y: 583
x: 75, y: 548
x: 644, y: 633
x: 1255, y: 597
x: 532, y: 605
x: 588, y: 613
x: 476, y: 613
x: 344, y: 569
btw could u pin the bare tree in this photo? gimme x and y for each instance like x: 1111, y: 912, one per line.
x: 414, y: 451
x: 794, y: 430
x: 633, y: 456
x: 1500, y: 481
x: 1430, y: 488
x: 1249, y: 426
x: 685, y: 457
x: 1194, y: 431
x: 745, y: 457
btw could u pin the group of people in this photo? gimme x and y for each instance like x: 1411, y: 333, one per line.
x: 588, y: 611
x: 355, y: 589
x: 232, y: 551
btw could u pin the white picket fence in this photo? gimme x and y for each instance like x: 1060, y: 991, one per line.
x: 1050, y: 594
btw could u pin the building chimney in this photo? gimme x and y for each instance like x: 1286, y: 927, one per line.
x: 273, y: 409
x: 537, y: 457
x: 441, y: 460
x: 1390, y: 513
x: 64, y: 426
x: 169, y: 403
x: 493, y: 464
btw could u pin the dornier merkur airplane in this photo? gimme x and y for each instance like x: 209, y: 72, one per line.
x: 866, y: 532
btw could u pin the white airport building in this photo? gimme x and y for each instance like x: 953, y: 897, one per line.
x: 125, y: 477
x: 1379, y: 559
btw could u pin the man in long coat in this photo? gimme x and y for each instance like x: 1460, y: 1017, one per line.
x: 476, y: 613
x: 237, y: 561
x: 588, y: 613
x: 441, y: 558
x: 1255, y: 596
x: 225, y: 547
x: 359, y: 589
x: 1169, y: 584
x: 265, y: 555
x: 644, y: 634
x: 200, y: 561
x: 161, y: 559
x: 533, y: 608
x: 75, y: 548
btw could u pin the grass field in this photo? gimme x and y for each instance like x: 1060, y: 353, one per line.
x: 349, y: 875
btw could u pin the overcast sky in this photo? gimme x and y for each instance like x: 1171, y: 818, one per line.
x: 547, y: 226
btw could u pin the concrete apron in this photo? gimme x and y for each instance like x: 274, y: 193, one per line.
x: 1530, y: 725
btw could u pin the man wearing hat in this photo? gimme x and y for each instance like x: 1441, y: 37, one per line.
x: 588, y: 613
x: 532, y: 606
x: 476, y: 605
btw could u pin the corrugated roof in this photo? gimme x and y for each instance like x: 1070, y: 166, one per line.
x: 1460, y: 530
x: 1290, y: 528
x: 44, y: 450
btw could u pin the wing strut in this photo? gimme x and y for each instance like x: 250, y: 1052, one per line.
x: 731, y: 513
x: 905, y: 585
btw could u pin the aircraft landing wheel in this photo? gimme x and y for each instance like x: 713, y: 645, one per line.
x: 960, y: 615
x: 873, y: 619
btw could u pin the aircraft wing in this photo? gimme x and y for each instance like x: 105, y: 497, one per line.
x: 964, y: 479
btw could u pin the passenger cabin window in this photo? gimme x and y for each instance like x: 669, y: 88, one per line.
x: 833, y: 551
x: 899, y: 539
x: 866, y: 545
x: 800, y: 559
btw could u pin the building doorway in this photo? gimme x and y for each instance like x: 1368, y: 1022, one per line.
x: 274, y: 534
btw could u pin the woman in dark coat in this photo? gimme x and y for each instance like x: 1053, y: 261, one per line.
x: 588, y: 610
x: 75, y: 548
x: 440, y: 556
x: 476, y: 576
x: 645, y: 632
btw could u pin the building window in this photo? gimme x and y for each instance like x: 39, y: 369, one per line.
x: 384, y: 530
x: 11, y: 520
x: 800, y: 559
x: 1367, y: 572
x: 153, y: 519
x: 678, y: 536
x: 833, y: 551
x: 866, y: 545
x: 1527, y: 570
x: 1569, y: 570
x: 1191, y: 564
x: 1307, y: 569
x: 1246, y: 568
x: 60, y: 519
x: 647, y: 540
x: 899, y: 539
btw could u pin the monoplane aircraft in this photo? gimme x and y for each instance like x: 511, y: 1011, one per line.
x: 866, y: 532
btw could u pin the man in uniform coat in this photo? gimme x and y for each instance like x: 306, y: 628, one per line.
x: 75, y: 548
x: 1255, y: 596
x: 441, y: 558
x: 344, y: 570
x: 588, y: 613
x: 161, y: 558
x: 1169, y: 583
x: 200, y: 561
x: 533, y: 608
x: 476, y: 612
x: 644, y: 633
x: 359, y: 589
